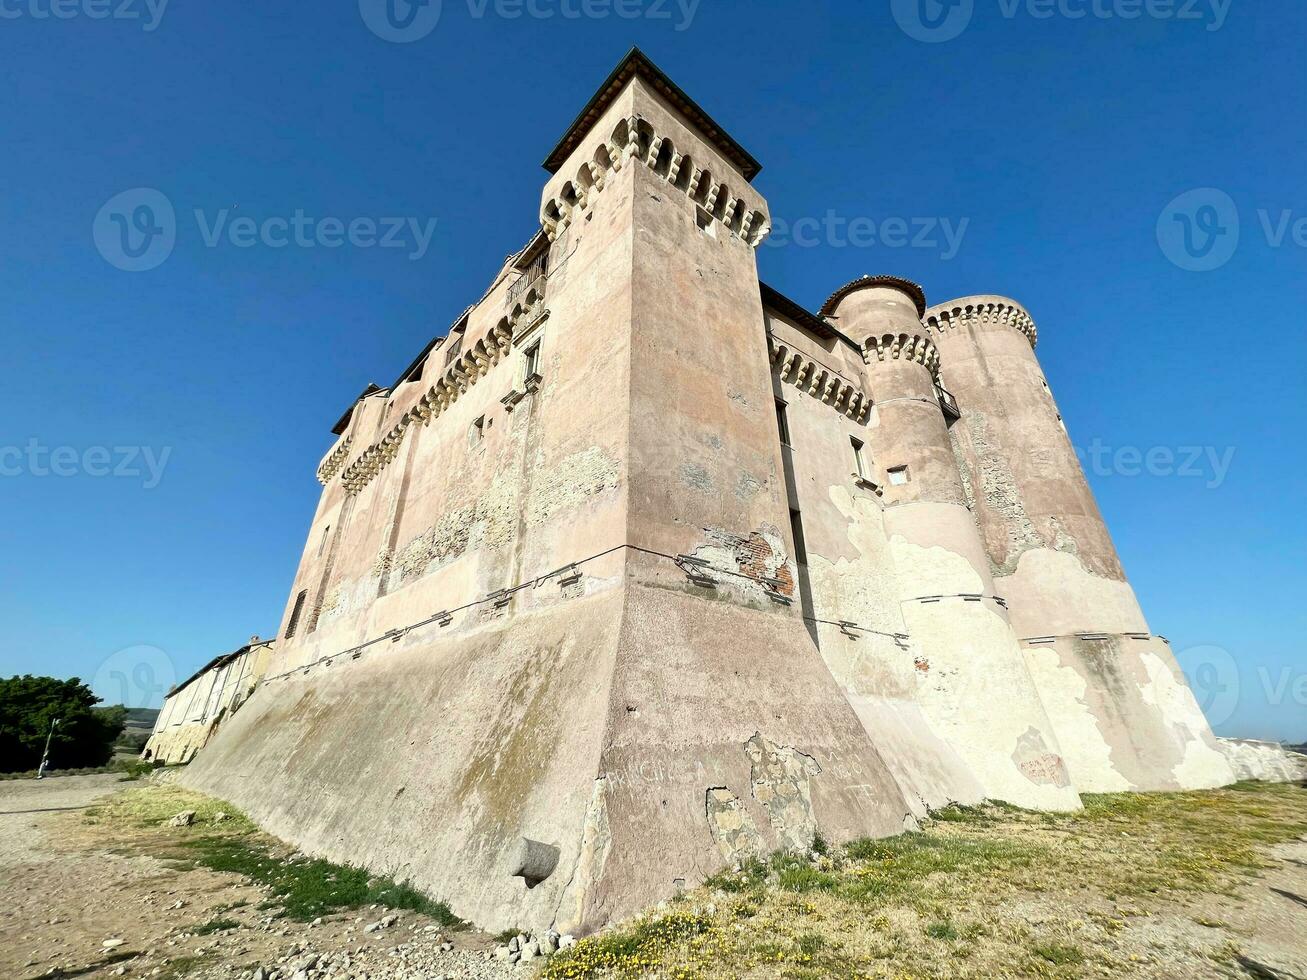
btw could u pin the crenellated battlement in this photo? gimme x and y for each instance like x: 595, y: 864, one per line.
x: 986, y: 309
x: 904, y: 347
x: 634, y: 139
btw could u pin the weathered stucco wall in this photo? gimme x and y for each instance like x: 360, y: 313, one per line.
x: 191, y: 715
x: 1120, y: 705
x: 438, y: 746
x: 568, y: 591
x: 1125, y: 713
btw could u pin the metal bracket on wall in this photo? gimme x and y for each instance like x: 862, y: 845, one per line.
x: 697, y: 570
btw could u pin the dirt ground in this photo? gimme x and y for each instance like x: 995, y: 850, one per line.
x: 1006, y: 894
x: 81, y: 900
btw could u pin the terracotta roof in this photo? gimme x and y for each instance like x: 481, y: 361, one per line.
x: 340, y: 427
x: 782, y: 304
x: 867, y: 282
x: 638, y: 63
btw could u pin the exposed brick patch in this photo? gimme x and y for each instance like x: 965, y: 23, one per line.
x: 760, y: 561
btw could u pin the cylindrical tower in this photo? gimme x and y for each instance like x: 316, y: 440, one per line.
x: 1125, y: 715
x: 1052, y: 555
x: 973, y: 684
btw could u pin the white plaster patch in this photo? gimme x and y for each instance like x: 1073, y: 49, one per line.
x: 1062, y: 690
x: 1203, y: 765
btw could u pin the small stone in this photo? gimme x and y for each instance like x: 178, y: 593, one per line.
x: 219, y: 817
x: 566, y: 942
x: 112, y: 943
x: 183, y: 819
x: 503, y: 953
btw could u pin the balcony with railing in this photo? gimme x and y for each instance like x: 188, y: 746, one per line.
x: 947, y: 402
x: 534, y: 274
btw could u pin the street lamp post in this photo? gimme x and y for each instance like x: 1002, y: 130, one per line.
x: 45, y: 756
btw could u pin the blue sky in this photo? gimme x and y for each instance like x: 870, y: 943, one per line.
x: 1056, y: 144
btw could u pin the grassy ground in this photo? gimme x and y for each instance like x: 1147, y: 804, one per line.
x: 131, y: 768
x: 989, y: 892
x: 222, y: 839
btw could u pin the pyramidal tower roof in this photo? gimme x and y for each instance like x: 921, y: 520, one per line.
x: 637, y: 63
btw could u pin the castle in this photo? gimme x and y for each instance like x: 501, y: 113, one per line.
x: 645, y: 568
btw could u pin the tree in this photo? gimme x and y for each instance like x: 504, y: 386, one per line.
x: 83, y: 739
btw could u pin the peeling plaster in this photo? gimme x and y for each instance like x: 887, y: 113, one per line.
x: 781, y: 782
x: 1065, y: 693
x: 1001, y: 493
x: 1203, y: 765
x: 1038, y: 762
x: 732, y: 826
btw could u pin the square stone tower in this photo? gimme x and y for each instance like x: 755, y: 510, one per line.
x: 545, y: 651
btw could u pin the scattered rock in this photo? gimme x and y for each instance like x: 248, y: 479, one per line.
x: 184, y: 819
x: 112, y: 943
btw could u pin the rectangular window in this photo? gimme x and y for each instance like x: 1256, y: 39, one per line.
x: 477, y: 432
x: 898, y: 476
x: 296, y: 613
x: 800, y: 545
x: 783, y: 422
x: 322, y: 545
x: 859, y: 458
x: 531, y: 362
x: 454, y: 350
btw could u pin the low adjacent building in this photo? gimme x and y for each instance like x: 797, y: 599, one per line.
x: 194, y: 710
